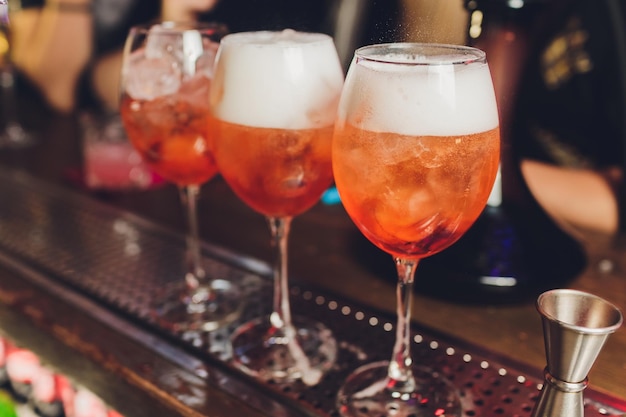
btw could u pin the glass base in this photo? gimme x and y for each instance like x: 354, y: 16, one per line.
x: 365, y: 393
x: 268, y: 353
x: 205, y: 309
x: 14, y: 136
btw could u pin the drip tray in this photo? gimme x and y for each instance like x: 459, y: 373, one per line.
x: 118, y: 261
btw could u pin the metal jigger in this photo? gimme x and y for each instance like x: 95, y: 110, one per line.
x: 575, y: 326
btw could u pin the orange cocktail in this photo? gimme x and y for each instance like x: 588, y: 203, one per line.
x: 416, y: 150
x: 277, y: 172
x: 413, y: 196
x: 171, y: 132
x: 166, y: 79
x: 274, y: 101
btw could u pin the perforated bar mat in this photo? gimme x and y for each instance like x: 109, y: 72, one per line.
x: 120, y: 261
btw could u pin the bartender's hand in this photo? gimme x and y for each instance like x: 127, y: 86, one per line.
x: 185, y: 10
x: 581, y: 201
x: 52, y: 45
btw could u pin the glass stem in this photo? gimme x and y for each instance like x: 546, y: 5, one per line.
x: 195, y: 273
x: 13, y: 133
x: 400, y: 375
x: 281, y: 313
x: 7, y: 82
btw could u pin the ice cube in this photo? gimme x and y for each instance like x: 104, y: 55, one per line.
x: 195, y: 92
x: 408, y: 213
x: 287, y: 181
x: 161, y: 42
x: 292, y: 144
x: 169, y: 57
x: 148, y: 78
x: 182, y: 47
x: 206, y: 61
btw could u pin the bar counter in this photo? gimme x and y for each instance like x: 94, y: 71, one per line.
x: 326, y: 251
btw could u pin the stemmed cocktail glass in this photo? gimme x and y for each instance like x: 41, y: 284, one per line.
x: 415, y: 155
x: 274, y: 99
x: 166, y: 77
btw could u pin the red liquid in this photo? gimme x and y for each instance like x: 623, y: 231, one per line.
x: 276, y: 172
x: 172, y: 133
x: 414, y: 196
x: 115, y: 166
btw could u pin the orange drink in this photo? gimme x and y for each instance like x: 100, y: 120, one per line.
x: 274, y: 102
x: 277, y: 172
x: 167, y: 70
x: 413, y: 196
x: 171, y: 132
x: 415, y: 153
x: 274, y: 111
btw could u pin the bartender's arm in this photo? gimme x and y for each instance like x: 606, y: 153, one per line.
x: 52, y: 45
x: 580, y: 201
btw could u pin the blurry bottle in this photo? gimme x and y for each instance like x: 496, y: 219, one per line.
x: 514, y: 251
x: 12, y: 133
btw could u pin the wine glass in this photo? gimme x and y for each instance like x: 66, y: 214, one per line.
x: 274, y: 100
x: 166, y: 77
x: 415, y: 155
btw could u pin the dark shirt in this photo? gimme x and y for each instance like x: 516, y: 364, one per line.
x: 113, y: 19
x: 378, y: 23
x: 571, y: 101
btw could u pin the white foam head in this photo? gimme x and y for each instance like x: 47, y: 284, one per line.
x: 413, y: 96
x: 288, y: 80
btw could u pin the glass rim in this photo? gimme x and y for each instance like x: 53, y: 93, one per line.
x: 418, y: 54
x: 259, y: 38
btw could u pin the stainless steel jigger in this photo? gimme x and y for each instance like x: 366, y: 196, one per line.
x: 575, y: 326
